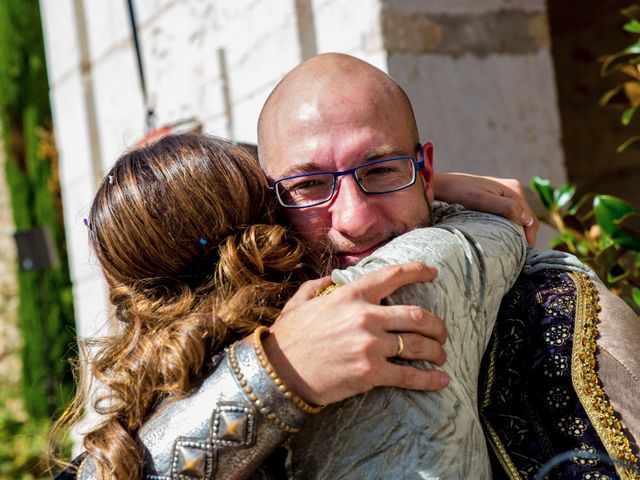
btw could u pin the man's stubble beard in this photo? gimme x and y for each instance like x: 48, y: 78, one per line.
x: 328, y: 257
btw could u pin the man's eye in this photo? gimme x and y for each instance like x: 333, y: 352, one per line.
x: 306, y: 185
x: 381, y: 170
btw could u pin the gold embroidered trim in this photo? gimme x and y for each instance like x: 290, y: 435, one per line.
x: 586, y: 382
x: 494, y: 439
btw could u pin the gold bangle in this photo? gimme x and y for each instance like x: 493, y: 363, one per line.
x: 264, y: 363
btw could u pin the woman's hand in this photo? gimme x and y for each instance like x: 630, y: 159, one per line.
x: 500, y: 196
x: 332, y: 347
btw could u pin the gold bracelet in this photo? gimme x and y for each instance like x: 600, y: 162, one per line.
x: 264, y: 362
x: 262, y: 408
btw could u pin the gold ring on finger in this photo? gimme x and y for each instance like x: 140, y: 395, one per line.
x: 400, y: 345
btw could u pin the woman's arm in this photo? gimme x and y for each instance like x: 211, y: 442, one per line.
x: 225, y: 430
x: 499, y: 196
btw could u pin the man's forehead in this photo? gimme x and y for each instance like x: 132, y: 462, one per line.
x: 299, y: 166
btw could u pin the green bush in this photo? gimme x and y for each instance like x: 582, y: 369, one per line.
x: 45, y: 311
x: 23, y: 457
x: 624, y: 64
x: 602, y: 231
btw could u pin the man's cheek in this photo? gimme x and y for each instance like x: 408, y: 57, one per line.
x: 311, y: 226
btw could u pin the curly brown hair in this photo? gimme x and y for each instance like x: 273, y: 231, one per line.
x: 186, y: 233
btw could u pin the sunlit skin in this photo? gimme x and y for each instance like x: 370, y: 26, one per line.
x: 336, y: 121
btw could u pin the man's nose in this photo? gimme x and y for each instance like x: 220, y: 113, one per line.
x: 351, y: 209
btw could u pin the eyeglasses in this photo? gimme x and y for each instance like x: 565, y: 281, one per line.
x: 377, y: 177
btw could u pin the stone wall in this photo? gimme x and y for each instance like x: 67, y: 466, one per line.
x: 481, y: 77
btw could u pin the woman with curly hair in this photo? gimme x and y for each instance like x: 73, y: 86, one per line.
x: 188, y: 240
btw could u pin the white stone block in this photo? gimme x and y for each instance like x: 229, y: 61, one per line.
x: 492, y: 116
x: 91, y: 304
x: 71, y: 129
x: 77, y: 196
x: 60, y: 38
x: 148, y: 10
x: 350, y: 27
x: 108, y: 27
x: 178, y: 55
x: 119, y: 108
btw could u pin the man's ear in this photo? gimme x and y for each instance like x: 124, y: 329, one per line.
x: 427, y: 171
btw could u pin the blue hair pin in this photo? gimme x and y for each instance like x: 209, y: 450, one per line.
x: 86, y: 222
x: 203, y: 241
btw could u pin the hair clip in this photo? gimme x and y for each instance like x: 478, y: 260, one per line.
x: 86, y: 222
x: 203, y: 241
x: 110, y: 179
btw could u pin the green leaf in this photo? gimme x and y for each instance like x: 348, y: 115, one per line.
x: 616, y: 274
x: 609, y: 94
x: 633, y: 26
x: 627, y: 115
x: 542, y: 187
x: 632, y: 11
x: 625, y: 57
x: 607, y: 257
x: 608, y: 210
x: 623, y: 146
x: 564, y: 194
x: 583, y: 248
x: 629, y: 224
x: 635, y: 295
x: 556, y: 242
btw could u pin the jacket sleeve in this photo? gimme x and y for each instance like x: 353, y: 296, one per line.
x: 226, y: 429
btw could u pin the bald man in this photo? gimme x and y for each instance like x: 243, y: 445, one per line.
x: 327, y: 125
x: 331, y: 114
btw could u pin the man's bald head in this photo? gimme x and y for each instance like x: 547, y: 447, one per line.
x: 322, y: 80
x: 335, y: 113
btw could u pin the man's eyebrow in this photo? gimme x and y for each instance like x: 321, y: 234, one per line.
x: 375, y: 154
x: 385, y: 151
x: 301, y: 169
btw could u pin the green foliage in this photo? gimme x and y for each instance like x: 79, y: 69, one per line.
x: 602, y: 231
x: 45, y: 307
x: 625, y: 64
x: 23, y: 457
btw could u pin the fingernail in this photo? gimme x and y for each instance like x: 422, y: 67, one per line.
x: 526, y: 219
x: 444, y: 379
